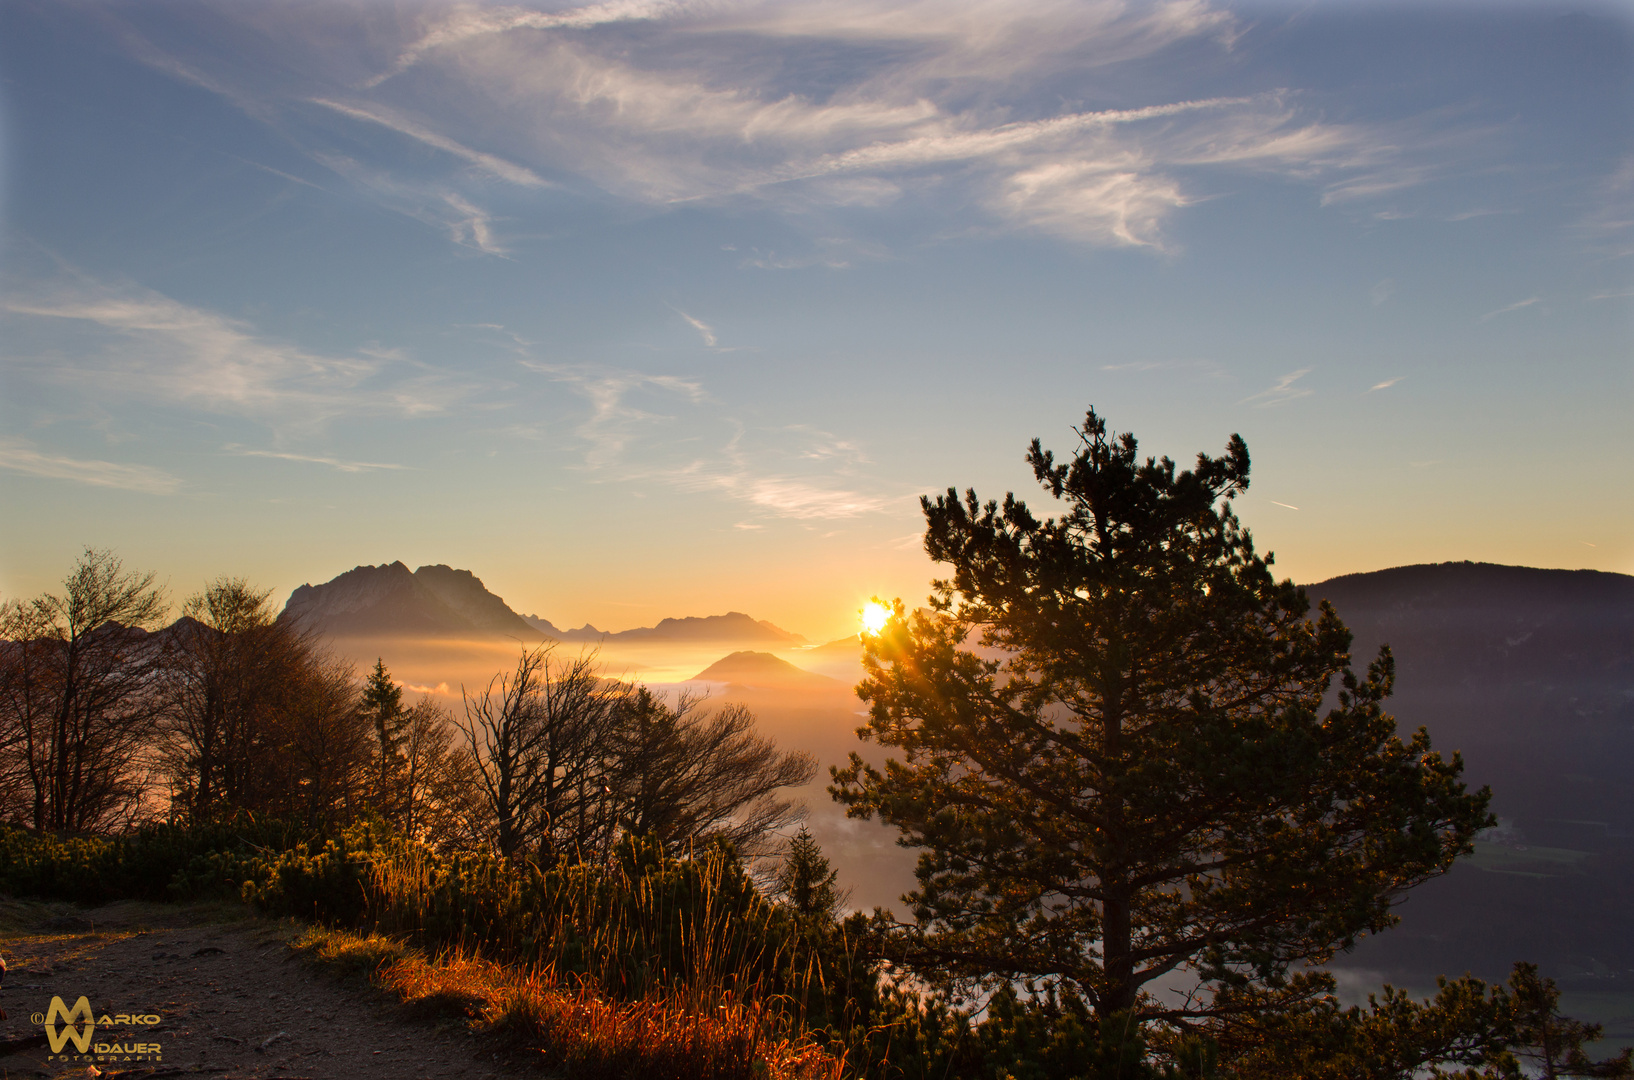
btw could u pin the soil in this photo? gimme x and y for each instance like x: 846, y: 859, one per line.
x: 230, y: 998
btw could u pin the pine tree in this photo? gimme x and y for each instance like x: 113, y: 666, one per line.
x: 382, y: 704
x: 1142, y: 772
x: 807, y: 882
x: 1550, y: 1044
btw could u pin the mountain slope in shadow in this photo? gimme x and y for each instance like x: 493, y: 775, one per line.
x: 1529, y: 674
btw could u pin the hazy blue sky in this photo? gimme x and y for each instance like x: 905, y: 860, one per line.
x: 658, y: 308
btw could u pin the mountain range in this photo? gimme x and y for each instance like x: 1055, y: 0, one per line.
x: 1529, y: 675
x: 440, y: 602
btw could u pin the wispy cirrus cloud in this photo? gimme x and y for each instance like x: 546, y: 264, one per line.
x: 491, y: 164
x: 780, y: 495
x: 1208, y: 368
x: 338, y: 464
x: 659, y: 102
x: 144, y: 345
x: 1507, y: 308
x: 1284, y: 390
x: 793, y: 472
x: 705, y: 331
x: 20, y: 456
x: 614, y: 421
x: 786, y: 497
x: 1608, y: 223
x: 467, y: 224
x: 466, y: 23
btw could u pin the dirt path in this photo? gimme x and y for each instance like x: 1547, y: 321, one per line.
x: 230, y: 999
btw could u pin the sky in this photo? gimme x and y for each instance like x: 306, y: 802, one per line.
x: 657, y: 308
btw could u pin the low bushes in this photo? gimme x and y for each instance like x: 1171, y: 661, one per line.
x: 648, y: 923
x: 156, y: 862
x: 651, y: 966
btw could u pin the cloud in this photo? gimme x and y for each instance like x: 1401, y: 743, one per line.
x: 334, y: 463
x: 706, y: 120
x: 1386, y: 384
x: 19, y: 456
x: 471, y: 22
x: 1208, y: 368
x: 976, y: 109
x: 291, y: 177
x: 1506, y: 309
x: 1282, y: 391
x: 792, y: 472
x: 1382, y: 291
x: 466, y: 224
x: 1612, y: 202
x: 1374, y: 183
x: 822, y: 446
x: 471, y: 226
x: 703, y: 328
x: 613, y: 422
x: 784, y: 496
x: 488, y: 163
x: 1077, y: 199
x: 147, y: 345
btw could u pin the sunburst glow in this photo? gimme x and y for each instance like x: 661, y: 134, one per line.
x: 874, y: 615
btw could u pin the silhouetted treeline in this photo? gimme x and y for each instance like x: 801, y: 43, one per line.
x: 109, y: 719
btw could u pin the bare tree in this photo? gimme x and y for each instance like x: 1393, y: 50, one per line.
x: 229, y: 666
x: 323, y: 744
x: 78, y: 695
x: 25, y: 705
x: 536, y: 737
x: 442, y: 796
x: 567, y: 761
x: 419, y: 781
x: 690, y: 776
x: 502, y: 730
x: 258, y: 716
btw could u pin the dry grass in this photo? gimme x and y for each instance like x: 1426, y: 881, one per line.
x: 661, y: 1036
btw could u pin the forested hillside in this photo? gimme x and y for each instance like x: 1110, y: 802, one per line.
x: 1530, y: 675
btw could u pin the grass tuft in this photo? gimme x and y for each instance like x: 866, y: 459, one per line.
x: 664, y: 1035
x: 349, y: 955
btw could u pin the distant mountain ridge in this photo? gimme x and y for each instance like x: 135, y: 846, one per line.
x: 733, y: 626
x: 439, y: 601
x: 391, y: 601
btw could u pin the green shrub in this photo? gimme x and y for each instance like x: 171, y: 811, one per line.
x: 156, y: 862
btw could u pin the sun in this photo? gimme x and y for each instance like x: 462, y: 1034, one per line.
x: 874, y: 615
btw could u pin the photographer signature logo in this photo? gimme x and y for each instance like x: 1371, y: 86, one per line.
x: 78, y: 1025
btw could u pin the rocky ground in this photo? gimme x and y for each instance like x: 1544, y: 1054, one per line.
x: 217, y: 992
